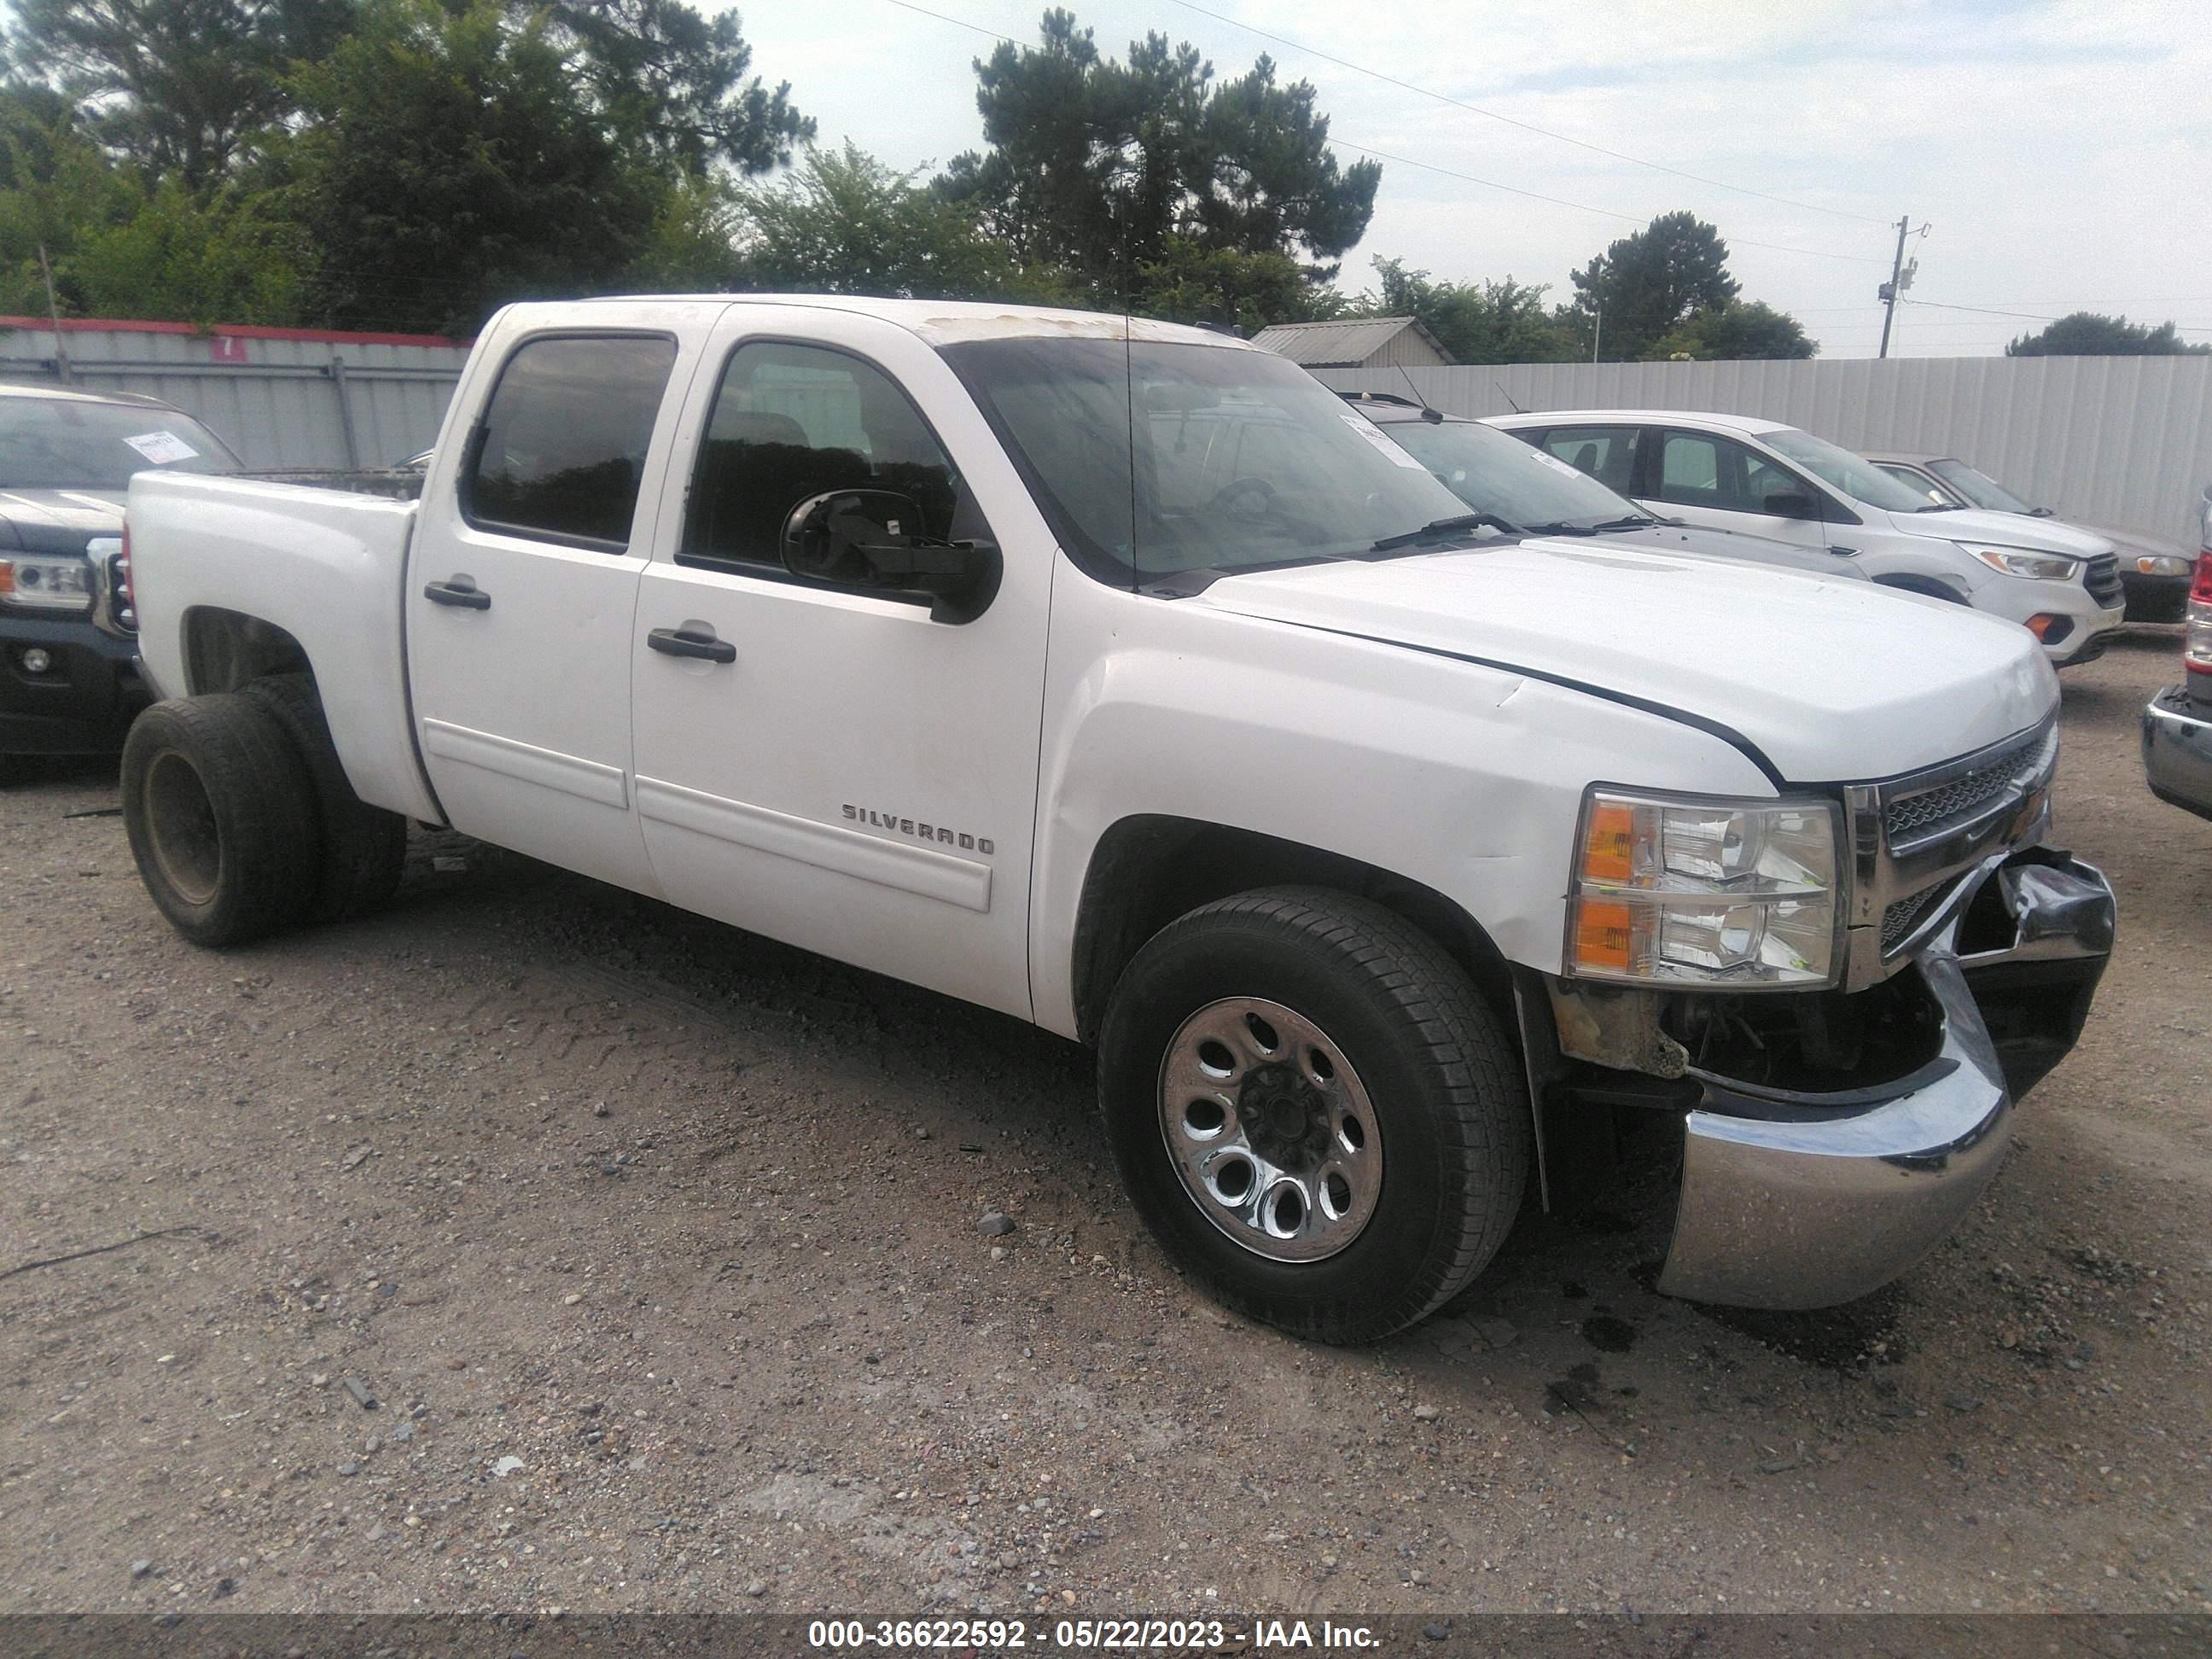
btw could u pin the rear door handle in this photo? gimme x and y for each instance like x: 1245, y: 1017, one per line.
x: 682, y: 642
x: 461, y: 591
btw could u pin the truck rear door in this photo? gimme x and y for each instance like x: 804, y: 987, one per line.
x: 830, y: 767
x: 522, y: 587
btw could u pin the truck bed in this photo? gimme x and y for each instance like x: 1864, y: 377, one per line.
x: 325, y: 563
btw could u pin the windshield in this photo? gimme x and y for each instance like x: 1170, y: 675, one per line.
x: 1493, y: 473
x: 57, y: 443
x: 1978, y: 486
x: 1229, y: 459
x: 1860, y: 479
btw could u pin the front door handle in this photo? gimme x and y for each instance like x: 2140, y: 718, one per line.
x: 682, y: 642
x: 461, y: 591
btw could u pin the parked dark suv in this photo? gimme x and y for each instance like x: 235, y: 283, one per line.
x: 69, y: 679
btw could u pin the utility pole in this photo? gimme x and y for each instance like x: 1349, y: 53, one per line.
x: 1900, y: 280
x: 54, y: 315
x: 1597, y: 331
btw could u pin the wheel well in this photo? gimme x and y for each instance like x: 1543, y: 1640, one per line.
x: 1928, y: 585
x: 224, y: 649
x: 1147, y: 870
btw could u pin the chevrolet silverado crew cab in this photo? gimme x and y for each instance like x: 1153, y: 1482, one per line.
x: 1117, y: 675
x: 1732, y: 472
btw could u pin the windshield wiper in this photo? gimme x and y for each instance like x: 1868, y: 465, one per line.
x: 1451, y: 526
x: 1561, y: 527
x: 1635, y: 521
x: 1939, y: 506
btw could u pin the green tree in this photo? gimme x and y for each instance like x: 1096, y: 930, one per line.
x: 1189, y: 283
x: 845, y: 223
x: 445, y: 166
x: 182, y: 257
x: 1647, y: 282
x: 1741, y: 329
x: 1096, y: 166
x: 1484, y: 322
x: 675, y: 81
x: 2089, y: 334
x: 176, y: 85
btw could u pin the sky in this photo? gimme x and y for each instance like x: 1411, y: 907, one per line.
x: 2059, y: 152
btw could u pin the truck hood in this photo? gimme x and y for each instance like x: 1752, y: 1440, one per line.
x: 58, y: 520
x: 1972, y: 523
x: 1828, y: 681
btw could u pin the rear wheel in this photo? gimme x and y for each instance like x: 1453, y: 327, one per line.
x: 363, y: 848
x: 221, y: 815
x: 1313, y: 1110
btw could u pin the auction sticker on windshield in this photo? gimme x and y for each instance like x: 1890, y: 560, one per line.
x: 1367, y: 430
x: 161, y: 447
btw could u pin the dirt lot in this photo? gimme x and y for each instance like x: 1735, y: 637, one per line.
x: 657, y: 1248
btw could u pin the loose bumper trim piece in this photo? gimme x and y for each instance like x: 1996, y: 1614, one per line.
x: 1792, y: 1200
x: 2176, y: 751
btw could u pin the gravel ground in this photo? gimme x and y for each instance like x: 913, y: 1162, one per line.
x: 657, y: 1249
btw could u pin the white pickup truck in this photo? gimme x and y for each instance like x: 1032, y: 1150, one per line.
x: 1121, y: 677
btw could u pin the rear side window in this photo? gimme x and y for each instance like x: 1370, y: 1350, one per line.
x: 563, y: 444
x: 792, y: 422
x: 1607, y: 454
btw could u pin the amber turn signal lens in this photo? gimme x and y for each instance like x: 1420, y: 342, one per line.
x: 1608, y: 850
x: 1604, y: 936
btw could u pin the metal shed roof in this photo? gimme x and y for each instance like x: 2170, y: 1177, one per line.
x: 1345, y: 344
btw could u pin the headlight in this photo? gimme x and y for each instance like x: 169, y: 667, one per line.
x: 2162, y: 564
x: 46, y: 584
x: 2023, y: 562
x: 1732, y: 894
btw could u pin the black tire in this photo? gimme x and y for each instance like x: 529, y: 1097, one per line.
x: 364, y: 847
x: 1445, y: 1088
x: 221, y: 818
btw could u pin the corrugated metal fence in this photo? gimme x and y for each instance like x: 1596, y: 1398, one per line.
x: 2125, y: 442
x: 282, y: 398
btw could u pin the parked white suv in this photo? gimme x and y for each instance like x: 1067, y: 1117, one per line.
x: 1735, y: 472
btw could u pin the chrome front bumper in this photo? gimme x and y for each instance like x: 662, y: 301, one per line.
x: 1793, y: 1200
x: 2176, y: 751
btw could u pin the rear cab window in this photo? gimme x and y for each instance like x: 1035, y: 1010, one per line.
x: 561, y: 452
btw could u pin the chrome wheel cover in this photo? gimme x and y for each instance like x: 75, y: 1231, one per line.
x: 1270, y: 1130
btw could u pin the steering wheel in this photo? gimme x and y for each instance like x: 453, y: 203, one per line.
x: 1237, y: 487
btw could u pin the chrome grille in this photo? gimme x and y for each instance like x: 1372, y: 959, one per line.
x: 1899, y: 919
x: 1911, y: 817
x: 2102, y: 579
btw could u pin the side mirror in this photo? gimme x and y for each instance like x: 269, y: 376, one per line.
x: 1792, y: 504
x: 873, y: 540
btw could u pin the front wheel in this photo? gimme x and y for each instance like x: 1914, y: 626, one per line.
x: 1314, y: 1111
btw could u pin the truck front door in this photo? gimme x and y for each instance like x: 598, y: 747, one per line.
x: 522, y: 587
x: 830, y: 767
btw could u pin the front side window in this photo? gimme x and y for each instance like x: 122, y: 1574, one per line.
x: 792, y: 421
x: 562, y: 447
x: 1152, y: 460
x: 1698, y: 470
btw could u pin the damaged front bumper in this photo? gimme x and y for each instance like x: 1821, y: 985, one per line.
x: 1792, y: 1200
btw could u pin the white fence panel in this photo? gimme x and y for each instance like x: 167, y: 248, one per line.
x: 2125, y: 442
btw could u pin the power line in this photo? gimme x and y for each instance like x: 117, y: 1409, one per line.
x: 2032, y: 316
x: 1526, y: 126
x: 1431, y: 167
